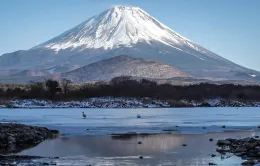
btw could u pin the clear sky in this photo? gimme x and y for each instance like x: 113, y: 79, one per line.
x: 229, y: 28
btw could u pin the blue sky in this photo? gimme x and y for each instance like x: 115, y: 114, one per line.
x: 229, y: 28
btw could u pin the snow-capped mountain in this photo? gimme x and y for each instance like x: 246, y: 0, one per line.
x: 125, y: 31
x: 121, y: 26
x: 118, y: 26
x: 123, y: 66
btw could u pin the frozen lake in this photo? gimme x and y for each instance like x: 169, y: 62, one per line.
x: 88, y: 141
x: 108, y: 121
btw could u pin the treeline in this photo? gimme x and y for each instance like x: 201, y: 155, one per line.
x: 127, y: 87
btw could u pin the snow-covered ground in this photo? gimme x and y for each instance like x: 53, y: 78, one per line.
x: 2, y: 106
x: 120, y: 102
x: 218, y: 102
x: 103, y: 102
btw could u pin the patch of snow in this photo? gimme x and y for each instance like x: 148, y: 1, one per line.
x: 252, y: 75
x: 51, y: 71
x: 213, y: 102
x: 2, y: 106
x: 218, y: 102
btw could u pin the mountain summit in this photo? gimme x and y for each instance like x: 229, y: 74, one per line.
x: 130, y: 31
x: 116, y: 27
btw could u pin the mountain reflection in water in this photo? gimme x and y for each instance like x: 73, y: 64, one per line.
x: 157, y: 149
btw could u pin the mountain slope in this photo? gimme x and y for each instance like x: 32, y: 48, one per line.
x: 120, y: 26
x: 125, y: 31
x: 123, y: 66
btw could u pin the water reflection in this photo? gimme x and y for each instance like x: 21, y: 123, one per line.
x: 107, y: 146
x: 160, y: 149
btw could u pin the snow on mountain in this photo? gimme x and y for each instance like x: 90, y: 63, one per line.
x: 129, y: 31
x: 123, y: 66
x: 119, y: 26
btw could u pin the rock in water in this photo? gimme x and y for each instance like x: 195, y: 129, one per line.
x: 16, y: 137
x: 247, y: 148
x: 223, y: 142
x: 249, y: 162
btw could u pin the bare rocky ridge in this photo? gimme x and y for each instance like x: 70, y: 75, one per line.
x: 123, y: 66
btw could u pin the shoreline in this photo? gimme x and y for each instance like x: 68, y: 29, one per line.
x: 123, y: 102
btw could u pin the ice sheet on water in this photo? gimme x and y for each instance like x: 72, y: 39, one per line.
x: 101, y: 121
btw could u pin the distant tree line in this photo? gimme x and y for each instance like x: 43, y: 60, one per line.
x: 127, y: 87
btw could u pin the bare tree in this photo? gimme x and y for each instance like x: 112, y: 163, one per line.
x: 36, y: 86
x: 52, y: 87
x: 65, y: 85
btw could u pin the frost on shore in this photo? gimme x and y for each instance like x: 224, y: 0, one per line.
x: 2, y: 106
x: 120, y: 102
x: 218, y: 102
x: 107, y: 102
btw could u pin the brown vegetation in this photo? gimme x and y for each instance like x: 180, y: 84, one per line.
x: 127, y: 87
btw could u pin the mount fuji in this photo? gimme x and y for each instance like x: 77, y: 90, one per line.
x: 129, y: 31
